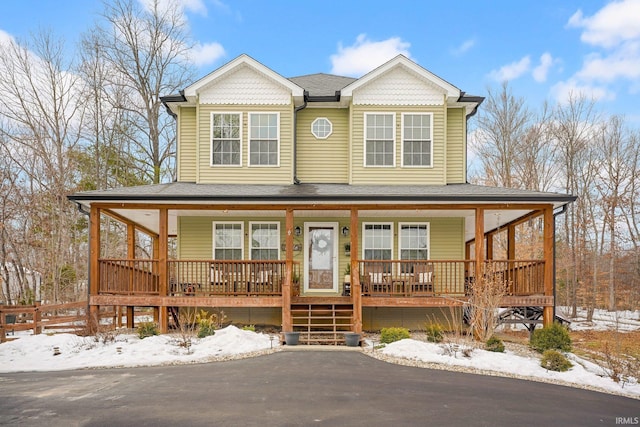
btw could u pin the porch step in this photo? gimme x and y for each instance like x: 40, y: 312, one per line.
x: 322, y: 323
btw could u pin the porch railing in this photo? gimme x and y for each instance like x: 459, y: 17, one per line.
x: 209, y: 278
x: 411, y: 278
x: 129, y: 276
x: 400, y: 278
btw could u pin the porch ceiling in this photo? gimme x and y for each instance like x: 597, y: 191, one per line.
x: 493, y: 218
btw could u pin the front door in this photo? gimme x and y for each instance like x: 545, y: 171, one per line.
x: 321, y: 257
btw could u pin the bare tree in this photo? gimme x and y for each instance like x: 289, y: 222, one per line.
x: 573, y: 132
x: 502, y: 125
x: 42, y: 122
x: 146, y: 52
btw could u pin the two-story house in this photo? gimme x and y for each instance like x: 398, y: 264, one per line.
x: 320, y: 203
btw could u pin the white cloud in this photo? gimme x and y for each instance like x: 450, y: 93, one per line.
x: 573, y: 88
x: 464, y: 47
x: 365, y: 55
x: 205, y: 54
x: 621, y: 63
x: 511, y: 71
x: 614, y: 32
x: 616, y: 22
x: 540, y: 72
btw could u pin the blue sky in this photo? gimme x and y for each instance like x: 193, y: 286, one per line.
x: 544, y: 48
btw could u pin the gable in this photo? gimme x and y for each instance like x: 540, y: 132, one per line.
x: 399, y: 86
x: 245, y: 86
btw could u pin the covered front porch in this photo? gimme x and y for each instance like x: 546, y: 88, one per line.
x: 164, y: 282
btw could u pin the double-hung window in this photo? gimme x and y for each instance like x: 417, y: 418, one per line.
x: 226, y: 141
x: 377, y: 241
x: 264, y: 139
x: 228, y: 240
x: 379, y: 139
x: 417, y: 140
x: 265, y: 240
x: 413, y: 243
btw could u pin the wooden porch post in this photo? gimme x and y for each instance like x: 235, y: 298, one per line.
x: 131, y: 254
x: 547, y: 314
x: 94, y: 267
x: 490, y: 238
x: 479, y: 241
x: 287, y: 325
x: 163, y: 254
x: 356, y: 286
x: 511, y: 242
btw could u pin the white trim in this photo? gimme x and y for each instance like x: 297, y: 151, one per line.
x: 401, y: 60
x: 249, y: 114
x: 213, y: 235
x: 251, y: 224
x: 364, y: 139
x: 430, y: 165
x: 330, y: 128
x: 194, y: 89
x: 336, y: 276
x: 239, y: 113
x: 400, y: 224
x: 364, y: 224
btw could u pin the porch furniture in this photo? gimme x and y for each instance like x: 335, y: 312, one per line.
x: 422, y: 280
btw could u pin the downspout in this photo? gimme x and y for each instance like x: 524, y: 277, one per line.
x: 564, y: 210
x: 466, y: 135
x: 295, y: 137
x: 82, y: 211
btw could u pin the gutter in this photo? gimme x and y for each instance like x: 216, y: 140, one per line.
x: 172, y: 98
x: 295, y: 137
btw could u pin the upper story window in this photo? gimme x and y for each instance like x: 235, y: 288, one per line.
x: 417, y: 140
x: 265, y: 240
x: 264, y: 139
x: 379, y: 140
x: 228, y: 240
x: 321, y: 128
x: 226, y: 144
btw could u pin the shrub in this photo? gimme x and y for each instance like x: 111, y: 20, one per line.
x: 207, y: 324
x: 553, y: 360
x: 494, y: 344
x: 435, y: 332
x: 147, y: 329
x: 389, y: 335
x: 251, y: 328
x: 554, y: 337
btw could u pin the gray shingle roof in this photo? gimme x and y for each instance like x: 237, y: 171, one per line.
x: 321, y: 84
x: 220, y: 193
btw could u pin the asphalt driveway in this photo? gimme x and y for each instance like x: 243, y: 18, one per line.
x: 298, y: 388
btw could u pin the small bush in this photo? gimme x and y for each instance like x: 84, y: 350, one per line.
x: 389, y: 335
x: 554, y: 337
x: 207, y: 324
x: 435, y: 332
x: 555, y: 361
x: 494, y: 344
x: 251, y: 328
x: 147, y: 329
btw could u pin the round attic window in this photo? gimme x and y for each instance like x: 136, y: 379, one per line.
x: 321, y: 128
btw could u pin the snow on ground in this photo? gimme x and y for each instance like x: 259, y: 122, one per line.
x: 603, y: 320
x: 36, y: 353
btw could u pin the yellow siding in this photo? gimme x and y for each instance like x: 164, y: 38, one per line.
x: 456, y: 147
x: 323, y: 160
x: 398, y: 174
x: 282, y: 174
x: 187, y: 144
